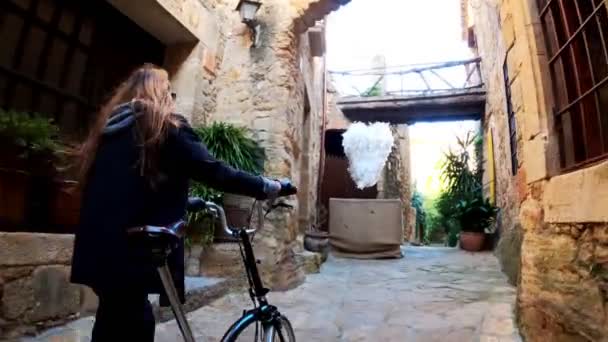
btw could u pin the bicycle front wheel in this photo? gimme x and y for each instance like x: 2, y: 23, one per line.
x: 280, y: 331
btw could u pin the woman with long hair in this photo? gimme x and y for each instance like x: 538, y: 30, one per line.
x: 135, y: 168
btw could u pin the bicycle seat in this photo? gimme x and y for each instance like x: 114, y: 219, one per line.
x: 156, y: 242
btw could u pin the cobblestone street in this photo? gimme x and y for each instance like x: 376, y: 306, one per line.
x: 433, y: 294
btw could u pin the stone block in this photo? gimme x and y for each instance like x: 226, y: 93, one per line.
x: 8, y: 274
x: 27, y: 249
x: 310, y: 262
x: 54, y: 296
x: 534, y: 159
x: 514, y: 62
x: 555, y: 289
x: 221, y: 259
x: 531, y: 214
x: 517, y: 97
x: 88, y: 301
x: 209, y: 61
x: 508, y: 31
x: 508, y: 252
x: 17, y: 298
x: 579, y: 196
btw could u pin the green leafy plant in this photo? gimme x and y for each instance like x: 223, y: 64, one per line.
x: 33, y: 134
x: 231, y: 145
x: 462, y: 206
x: 475, y: 214
x: 374, y: 90
x: 418, y: 204
x: 460, y: 177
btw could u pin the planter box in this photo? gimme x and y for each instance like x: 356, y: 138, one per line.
x: 366, y: 228
x: 14, y: 186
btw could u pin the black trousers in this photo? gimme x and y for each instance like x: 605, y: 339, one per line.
x: 123, y: 316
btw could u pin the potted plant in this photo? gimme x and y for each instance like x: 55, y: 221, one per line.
x: 27, y: 145
x: 463, y: 211
x: 315, y: 239
x: 474, y: 215
x: 232, y: 145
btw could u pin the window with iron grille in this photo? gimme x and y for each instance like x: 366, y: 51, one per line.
x: 511, y: 119
x: 576, y: 32
x: 60, y: 58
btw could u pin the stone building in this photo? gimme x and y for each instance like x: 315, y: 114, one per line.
x: 545, y: 66
x: 62, y: 58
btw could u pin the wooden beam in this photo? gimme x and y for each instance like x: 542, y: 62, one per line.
x: 470, y: 105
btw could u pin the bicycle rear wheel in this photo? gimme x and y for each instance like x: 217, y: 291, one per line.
x: 280, y: 331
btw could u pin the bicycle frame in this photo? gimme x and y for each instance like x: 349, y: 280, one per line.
x: 251, y: 267
x: 268, y: 315
x: 262, y: 312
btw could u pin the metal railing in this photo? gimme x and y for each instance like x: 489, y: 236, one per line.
x: 410, y: 80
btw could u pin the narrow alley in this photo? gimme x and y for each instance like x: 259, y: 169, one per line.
x: 432, y: 294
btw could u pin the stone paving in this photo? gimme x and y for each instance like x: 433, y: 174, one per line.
x: 433, y: 294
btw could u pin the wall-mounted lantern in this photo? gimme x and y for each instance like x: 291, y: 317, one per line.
x: 248, y: 9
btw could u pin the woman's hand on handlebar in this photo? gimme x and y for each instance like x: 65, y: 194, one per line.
x: 278, y: 188
x: 287, y: 188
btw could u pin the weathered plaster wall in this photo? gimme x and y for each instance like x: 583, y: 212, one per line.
x: 563, y: 281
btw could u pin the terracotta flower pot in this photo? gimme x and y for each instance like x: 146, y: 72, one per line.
x: 317, y: 242
x: 472, y: 242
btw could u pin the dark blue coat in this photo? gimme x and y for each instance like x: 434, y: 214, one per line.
x: 116, y: 197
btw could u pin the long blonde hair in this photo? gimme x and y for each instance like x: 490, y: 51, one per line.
x: 148, y: 91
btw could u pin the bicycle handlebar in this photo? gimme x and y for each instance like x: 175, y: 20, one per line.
x: 196, y: 204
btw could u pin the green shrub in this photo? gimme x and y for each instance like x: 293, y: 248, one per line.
x: 32, y: 133
x: 231, y: 145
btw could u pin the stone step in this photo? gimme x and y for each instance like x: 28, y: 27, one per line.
x: 200, y: 291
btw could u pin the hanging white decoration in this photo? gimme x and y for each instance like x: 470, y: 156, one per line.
x: 367, y: 148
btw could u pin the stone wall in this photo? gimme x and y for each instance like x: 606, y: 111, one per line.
x: 494, y: 51
x: 276, y: 89
x: 35, y: 290
x: 563, y: 279
x: 395, y: 181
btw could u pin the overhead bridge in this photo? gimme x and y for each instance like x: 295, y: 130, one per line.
x: 426, y: 93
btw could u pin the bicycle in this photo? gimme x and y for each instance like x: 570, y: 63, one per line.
x: 160, y: 241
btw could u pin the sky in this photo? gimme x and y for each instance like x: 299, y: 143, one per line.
x: 405, y: 32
